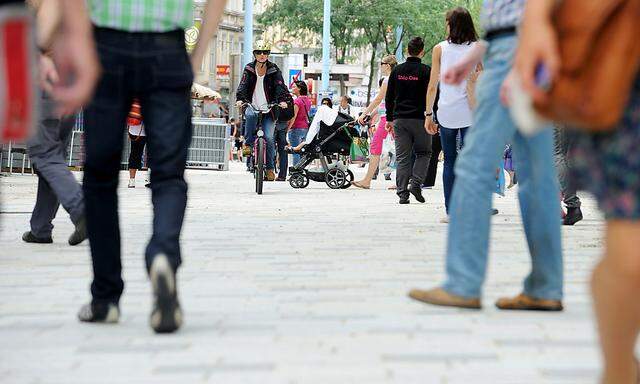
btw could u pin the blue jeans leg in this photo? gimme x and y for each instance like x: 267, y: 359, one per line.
x: 449, y: 140
x: 470, y: 206
x: 297, y: 136
x: 268, y: 127
x: 539, y: 204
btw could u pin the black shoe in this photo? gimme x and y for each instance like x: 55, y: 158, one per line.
x: 80, y: 234
x: 99, y: 313
x: 281, y: 178
x: 166, y: 316
x: 416, y: 191
x: 494, y: 212
x: 374, y: 177
x: 29, y: 237
x: 387, y: 177
x: 404, y: 200
x: 573, y: 216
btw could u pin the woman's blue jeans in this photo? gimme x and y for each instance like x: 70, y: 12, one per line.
x: 452, y: 141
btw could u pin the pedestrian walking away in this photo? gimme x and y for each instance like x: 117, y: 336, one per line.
x: 475, y: 171
x: 406, y: 103
x: 563, y: 143
x: 143, y: 55
x: 138, y: 141
x: 455, y: 102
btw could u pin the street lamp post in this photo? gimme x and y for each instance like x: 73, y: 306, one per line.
x: 326, y: 30
x: 399, y: 53
x: 247, y: 55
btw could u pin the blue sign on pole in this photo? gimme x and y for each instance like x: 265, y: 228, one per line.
x: 294, y: 75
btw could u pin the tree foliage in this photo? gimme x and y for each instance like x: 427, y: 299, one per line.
x: 369, y: 24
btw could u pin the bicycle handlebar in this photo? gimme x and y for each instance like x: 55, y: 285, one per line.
x: 269, y: 106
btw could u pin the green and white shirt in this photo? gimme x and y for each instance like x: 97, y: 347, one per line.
x: 142, y: 15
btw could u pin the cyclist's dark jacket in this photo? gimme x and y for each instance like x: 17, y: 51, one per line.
x: 274, y: 87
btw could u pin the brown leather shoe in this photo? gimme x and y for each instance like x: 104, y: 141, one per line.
x: 438, y: 296
x: 270, y: 175
x: 523, y: 302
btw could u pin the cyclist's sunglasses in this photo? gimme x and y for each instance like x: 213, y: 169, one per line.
x: 262, y: 52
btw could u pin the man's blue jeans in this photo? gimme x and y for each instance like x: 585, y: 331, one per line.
x: 297, y: 136
x: 449, y: 140
x: 267, y: 126
x: 475, y: 170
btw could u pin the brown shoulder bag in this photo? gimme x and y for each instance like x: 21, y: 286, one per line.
x: 599, y: 43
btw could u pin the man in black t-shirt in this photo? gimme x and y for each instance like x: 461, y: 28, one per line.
x: 406, y: 104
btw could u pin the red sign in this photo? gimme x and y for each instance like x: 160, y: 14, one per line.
x: 223, y: 70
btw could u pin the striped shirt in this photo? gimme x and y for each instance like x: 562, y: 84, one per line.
x: 498, y: 14
x: 142, y: 15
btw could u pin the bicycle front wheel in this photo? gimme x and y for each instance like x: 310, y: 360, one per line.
x: 260, y: 156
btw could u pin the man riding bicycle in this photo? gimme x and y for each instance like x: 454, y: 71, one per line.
x: 262, y: 84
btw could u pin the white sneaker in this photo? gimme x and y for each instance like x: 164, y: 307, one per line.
x: 132, y: 183
x: 445, y: 220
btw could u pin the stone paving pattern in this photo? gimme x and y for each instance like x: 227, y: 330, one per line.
x: 291, y: 287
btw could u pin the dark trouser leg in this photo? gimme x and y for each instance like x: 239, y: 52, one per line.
x: 404, y: 147
x: 44, y: 211
x: 137, y: 150
x: 562, y: 145
x: 422, y: 150
x: 281, y: 143
x: 432, y: 171
x: 450, y: 148
x: 47, y: 152
x: 104, y: 128
x: 167, y: 114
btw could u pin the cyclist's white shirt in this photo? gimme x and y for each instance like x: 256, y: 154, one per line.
x: 324, y: 114
x: 259, y: 99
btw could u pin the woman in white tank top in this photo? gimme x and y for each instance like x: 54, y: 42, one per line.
x: 456, y: 101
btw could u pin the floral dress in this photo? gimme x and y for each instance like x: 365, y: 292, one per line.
x: 608, y: 164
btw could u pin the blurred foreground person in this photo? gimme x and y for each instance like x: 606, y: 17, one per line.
x: 143, y: 55
x: 47, y: 147
x: 475, y: 171
x: 607, y: 164
x: 71, y: 81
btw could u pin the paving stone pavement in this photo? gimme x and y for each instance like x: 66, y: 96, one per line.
x: 291, y: 287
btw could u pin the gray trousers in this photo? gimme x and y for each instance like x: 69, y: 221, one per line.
x: 411, y: 137
x: 56, y: 184
x: 563, y: 143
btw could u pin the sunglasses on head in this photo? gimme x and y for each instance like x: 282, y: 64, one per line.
x: 262, y: 52
x: 383, y: 63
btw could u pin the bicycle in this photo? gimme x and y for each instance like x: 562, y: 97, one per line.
x: 259, y: 155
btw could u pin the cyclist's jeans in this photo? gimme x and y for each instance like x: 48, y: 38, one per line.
x: 268, y: 127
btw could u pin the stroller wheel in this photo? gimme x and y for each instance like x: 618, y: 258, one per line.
x: 350, y: 178
x: 299, y: 180
x: 336, y: 178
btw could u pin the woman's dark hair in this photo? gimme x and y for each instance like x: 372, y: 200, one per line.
x: 328, y: 100
x: 416, y: 45
x: 302, y: 86
x: 461, y: 28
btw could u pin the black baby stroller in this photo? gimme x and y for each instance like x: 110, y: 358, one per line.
x: 331, y: 140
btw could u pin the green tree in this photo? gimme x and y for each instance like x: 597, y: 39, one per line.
x: 367, y: 23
